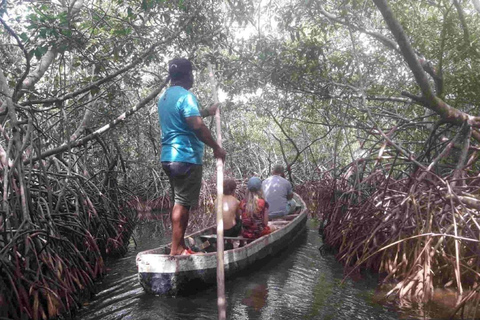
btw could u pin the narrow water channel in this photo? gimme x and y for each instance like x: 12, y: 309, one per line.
x: 299, y: 283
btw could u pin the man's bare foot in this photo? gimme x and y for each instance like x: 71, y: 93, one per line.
x: 188, y: 251
x: 183, y: 251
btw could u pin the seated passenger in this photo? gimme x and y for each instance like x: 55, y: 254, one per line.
x: 232, y: 223
x: 254, y: 211
x: 278, y: 192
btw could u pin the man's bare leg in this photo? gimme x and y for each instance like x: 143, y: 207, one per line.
x: 180, y: 216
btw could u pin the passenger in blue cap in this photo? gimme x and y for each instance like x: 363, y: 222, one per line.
x: 254, y: 211
x: 183, y: 137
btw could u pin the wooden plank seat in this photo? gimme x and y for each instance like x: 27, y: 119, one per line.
x: 286, y: 218
x: 278, y: 222
x: 214, y: 237
x: 210, y: 242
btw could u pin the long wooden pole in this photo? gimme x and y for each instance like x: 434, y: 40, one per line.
x: 221, y: 301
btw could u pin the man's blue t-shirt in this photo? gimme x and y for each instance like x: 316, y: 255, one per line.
x: 179, y: 142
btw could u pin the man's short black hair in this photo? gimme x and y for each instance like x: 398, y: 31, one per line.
x: 278, y: 169
x: 179, y: 68
x: 229, y: 186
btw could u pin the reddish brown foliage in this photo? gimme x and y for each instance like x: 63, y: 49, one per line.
x: 50, y: 259
x: 422, y: 232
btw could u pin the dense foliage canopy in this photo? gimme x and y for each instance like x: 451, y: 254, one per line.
x: 350, y: 95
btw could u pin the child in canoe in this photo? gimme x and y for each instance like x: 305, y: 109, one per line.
x: 254, y: 211
x: 232, y: 223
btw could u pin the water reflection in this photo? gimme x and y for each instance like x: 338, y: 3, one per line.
x: 256, y: 296
x: 296, y: 284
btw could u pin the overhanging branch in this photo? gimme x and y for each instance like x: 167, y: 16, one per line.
x: 113, y: 124
x: 93, y: 85
x: 432, y: 102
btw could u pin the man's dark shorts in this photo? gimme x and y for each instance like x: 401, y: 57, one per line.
x: 235, y: 230
x: 185, y: 181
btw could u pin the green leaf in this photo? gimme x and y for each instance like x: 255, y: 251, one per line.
x: 40, y: 51
x: 130, y: 12
x: 66, y: 32
x: 43, y: 33
x: 181, y: 5
x: 32, y: 17
x: 63, y: 17
x: 24, y: 37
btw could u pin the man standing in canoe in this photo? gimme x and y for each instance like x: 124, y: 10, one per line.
x: 183, y: 137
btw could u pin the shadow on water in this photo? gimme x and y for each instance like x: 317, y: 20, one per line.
x: 298, y: 283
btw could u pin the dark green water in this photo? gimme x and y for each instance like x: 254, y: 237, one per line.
x: 299, y: 283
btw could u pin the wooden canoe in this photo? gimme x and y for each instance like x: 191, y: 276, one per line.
x: 162, y: 274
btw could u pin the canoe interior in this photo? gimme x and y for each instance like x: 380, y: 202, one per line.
x: 199, y: 244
